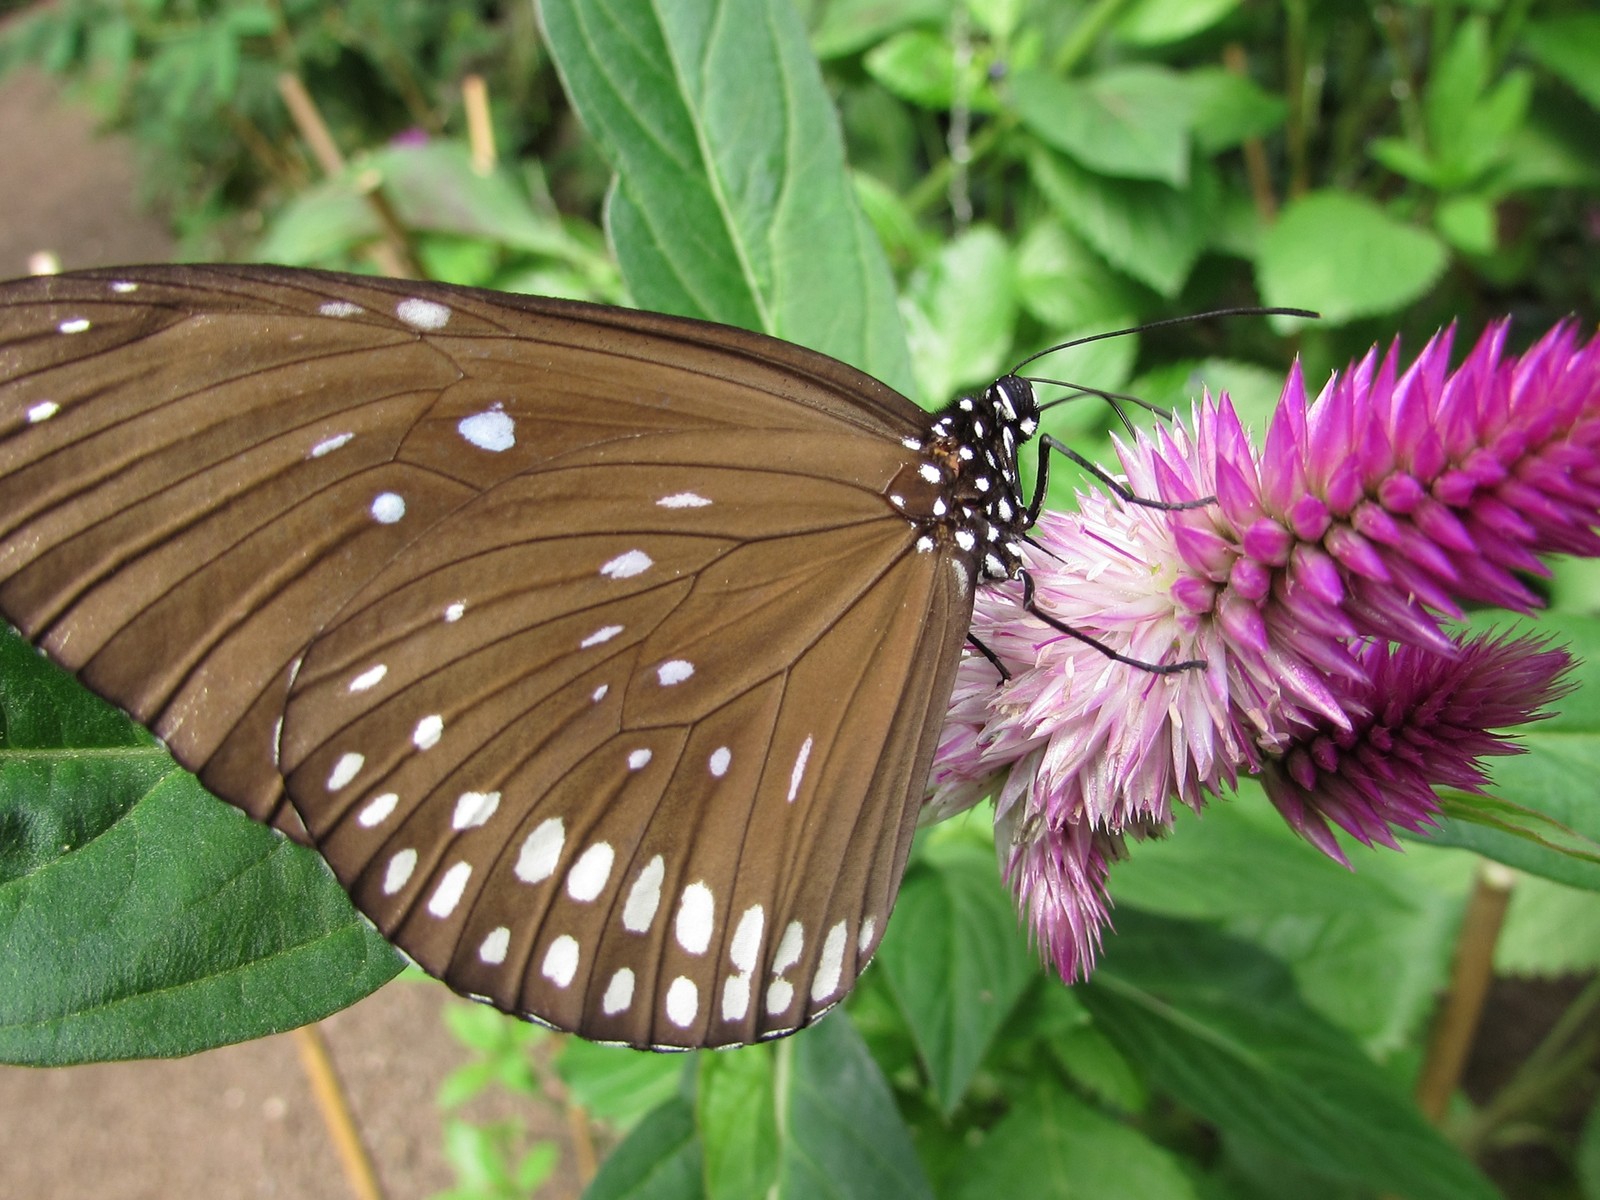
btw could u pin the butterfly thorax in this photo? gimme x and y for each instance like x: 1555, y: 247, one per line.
x: 966, y: 491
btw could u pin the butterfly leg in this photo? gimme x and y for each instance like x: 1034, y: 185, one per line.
x: 1029, y: 605
x: 1005, y: 675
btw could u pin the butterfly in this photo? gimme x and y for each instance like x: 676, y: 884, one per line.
x: 601, y: 654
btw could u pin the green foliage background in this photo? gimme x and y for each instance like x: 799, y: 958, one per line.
x: 930, y: 189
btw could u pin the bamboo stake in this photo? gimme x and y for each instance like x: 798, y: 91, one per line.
x: 392, y: 255
x: 336, y: 1116
x: 1456, y: 1026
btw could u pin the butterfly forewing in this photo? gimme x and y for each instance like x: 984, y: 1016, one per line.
x: 599, y: 667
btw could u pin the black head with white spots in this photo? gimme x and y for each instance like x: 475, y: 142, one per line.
x: 967, y: 490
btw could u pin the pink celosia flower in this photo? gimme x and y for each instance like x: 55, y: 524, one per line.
x: 1367, y: 517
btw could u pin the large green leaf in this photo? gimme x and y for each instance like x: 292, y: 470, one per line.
x: 1131, y: 122
x: 1220, y: 1026
x: 659, y: 1160
x: 809, y: 1116
x: 1053, y: 1144
x: 731, y: 201
x: 1344, y: 256
x: 955, y: 960
x: 139, y: 916
x: 1150, y: 230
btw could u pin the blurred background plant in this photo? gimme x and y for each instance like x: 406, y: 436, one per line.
x: 1036, y: 170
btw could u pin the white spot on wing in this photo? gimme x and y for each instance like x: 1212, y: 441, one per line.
x: 799, y: 771
x: 494, y: 947
x: 604, y: 634
x: 454, y: 612
x: 674, y: 671
x: 626, y: 566
x: 474, y: 809
x: 43, y: 411
x: 619, y: 993
x: 561, y: 960
x: 683, y: 500
x: 780, y: 994
x: 929, y: 472
x: 329, y: 445
x: 398, y: 871
x: 377, y: 810
x: 600, y: 693
x: 388, y: 508
x: 965, y: 540
x: 428, y: 732
x: 696, y: 915
x: 124, y: 286
x: 826, y: 981
x: 344, y: 770
x: 683, y: 1002
x: 492, y: 430
x: 645, y: 897
x: 369, y: 678
x: 75, y: 325
x: 735, y: 997
x: 639, y: 759
x: 588, y: 876
x: 540, y: 852
x: 448, y: 894
x: 789, y: 948
x: 423, y: 314
x: 746, y: 946
x: 339, y: 308
x: 721, y: 757
x: 868, y: 928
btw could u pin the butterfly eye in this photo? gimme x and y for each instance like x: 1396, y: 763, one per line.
x: 602, y: 655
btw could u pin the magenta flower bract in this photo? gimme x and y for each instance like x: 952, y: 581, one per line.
x: 1369, y: 516
x: 1425, y: 720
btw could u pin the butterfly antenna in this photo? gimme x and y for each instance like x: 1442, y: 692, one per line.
x: 1184, y: 320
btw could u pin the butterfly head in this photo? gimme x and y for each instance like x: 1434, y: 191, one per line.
x: 974, y: 447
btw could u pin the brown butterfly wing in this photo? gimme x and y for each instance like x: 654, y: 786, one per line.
x: 607, y: 678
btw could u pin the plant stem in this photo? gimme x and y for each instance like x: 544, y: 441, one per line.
x: 1457, y: 1023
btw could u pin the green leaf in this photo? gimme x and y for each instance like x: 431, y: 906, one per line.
x: 659, y: 1160
x: 1162, y: 22
x: 736, y: 1108
x: 617, y: 1084
x: 1066, y: 286
x: 1468, y: 223
x: 1052, y: 1144
x: 1220, y: 1026
x: 843, y: 1135
x: 846, y: 26
x: 139, y: 916
x: 732, y: 201
x: 181, y: 926
x: 1131, y: 122
x: 1240, y: 860
x: 1569, y: 48
x: 955, y: 960
x: 1550, y: 930
x: 1345, y: 257
x: 808, y: 1116
x: 1588, y: 1154
x: 1227, y: 109
x: 960, y: 310
x: 1153, y: 232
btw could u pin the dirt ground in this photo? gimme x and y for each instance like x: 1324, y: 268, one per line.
x: 239, y: 1122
